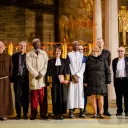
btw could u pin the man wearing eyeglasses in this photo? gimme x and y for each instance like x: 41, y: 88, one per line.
x: 107, y: 55
x: 120, y: 70
x: 81, y: 49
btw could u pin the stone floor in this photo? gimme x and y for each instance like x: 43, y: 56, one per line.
x: 88, y: 122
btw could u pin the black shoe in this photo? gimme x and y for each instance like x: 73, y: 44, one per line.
x: 57, y: 117
x: 71, y: 116
x: 126, y: 114
x: 98, y: 115
x: 82, y: 115
x: 25, y: 117
x: 45, y: 116
x: 107, y: 113
x: 118, y: 114
x: 32, y: 118
x: 71, y: 113
x: 61, y: 117
x: 2, y: 119
x: 18, y: 117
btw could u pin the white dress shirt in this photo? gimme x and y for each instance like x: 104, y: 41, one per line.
x: 120, y: 72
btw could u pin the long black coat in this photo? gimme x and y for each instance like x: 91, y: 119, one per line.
x: 58, y: 90
x: 97, y: 75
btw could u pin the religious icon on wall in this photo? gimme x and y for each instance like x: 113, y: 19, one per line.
x: 75, y: 20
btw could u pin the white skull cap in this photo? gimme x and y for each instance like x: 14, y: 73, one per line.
x: 36, y: 40
x: 75, y: 42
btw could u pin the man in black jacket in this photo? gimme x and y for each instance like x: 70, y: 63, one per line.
x: 120, y: 70
x: 107, y: 55
x: 21, y: 81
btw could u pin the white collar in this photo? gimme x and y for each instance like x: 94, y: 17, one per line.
x: 58, y: 62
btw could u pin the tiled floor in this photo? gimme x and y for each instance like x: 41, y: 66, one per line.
x: 88, y: 122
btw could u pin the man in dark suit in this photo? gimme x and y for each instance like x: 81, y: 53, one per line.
x: 21, y: 81
x: 120, y: 71
x: 107, y: 55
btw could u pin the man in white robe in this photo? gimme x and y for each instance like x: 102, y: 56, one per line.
x: 76, y: 90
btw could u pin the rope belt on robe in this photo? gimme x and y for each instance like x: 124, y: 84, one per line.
x: 3, y: 77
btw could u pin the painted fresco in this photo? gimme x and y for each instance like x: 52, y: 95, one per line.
x: 75, y: 20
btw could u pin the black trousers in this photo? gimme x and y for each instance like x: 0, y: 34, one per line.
x: 21, y: 89
x: 121, y: 89
x: 106, y: 103
x: 85, y: 98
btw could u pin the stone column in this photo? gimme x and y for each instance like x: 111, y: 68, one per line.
x: 111, y: 35
x: 97, y: 20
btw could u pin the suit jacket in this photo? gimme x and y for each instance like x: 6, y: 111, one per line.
x: 107, y: 55
x: 114, y: 67
x: 15, y: 61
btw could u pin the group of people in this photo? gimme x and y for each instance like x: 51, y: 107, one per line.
x: 72, y: 80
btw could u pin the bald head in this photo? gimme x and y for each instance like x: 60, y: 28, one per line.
x: 2, y: 47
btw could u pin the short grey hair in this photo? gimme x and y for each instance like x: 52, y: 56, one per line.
x: 23, y: 42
